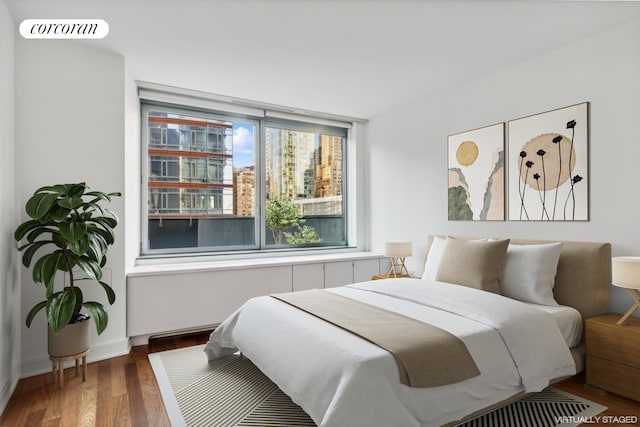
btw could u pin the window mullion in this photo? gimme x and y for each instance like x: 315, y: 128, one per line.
x: 260, y: 185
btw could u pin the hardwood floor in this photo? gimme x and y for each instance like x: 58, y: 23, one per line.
x: 123, y: 392
x: 618, y: 407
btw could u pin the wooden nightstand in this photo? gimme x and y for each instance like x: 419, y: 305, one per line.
x: 613, y: 354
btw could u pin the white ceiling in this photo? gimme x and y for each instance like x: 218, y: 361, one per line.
x: 349, y: 57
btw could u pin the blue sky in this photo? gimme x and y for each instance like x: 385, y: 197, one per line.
x: 243, y: 145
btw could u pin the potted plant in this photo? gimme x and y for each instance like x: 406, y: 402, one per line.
x: 70, y: 231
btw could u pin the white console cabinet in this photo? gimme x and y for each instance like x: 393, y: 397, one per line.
x: 170, y: 299
x: 363, y: 269
x: 338, y: 273
x: 308, y: 276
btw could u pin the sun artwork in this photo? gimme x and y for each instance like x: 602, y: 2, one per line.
x: 467, y: 153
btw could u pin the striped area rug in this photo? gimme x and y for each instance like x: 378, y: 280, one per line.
x: 224, y: 392
x: 233, y: 392
x: 549, y: 408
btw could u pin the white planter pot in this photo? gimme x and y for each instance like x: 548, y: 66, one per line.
x: 75, y: 338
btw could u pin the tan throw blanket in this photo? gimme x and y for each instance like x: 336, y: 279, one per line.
x: 427, y: 356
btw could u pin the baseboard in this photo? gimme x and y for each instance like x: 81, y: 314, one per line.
x: 6, y: 393
x: 139, y: 340
x: 99, y: 352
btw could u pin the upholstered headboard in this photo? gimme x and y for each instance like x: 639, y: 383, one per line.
x: 584, y: 274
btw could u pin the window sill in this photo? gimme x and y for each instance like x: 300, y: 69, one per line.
x: 178, y: 267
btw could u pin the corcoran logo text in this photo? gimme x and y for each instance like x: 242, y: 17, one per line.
x: 64, y: 29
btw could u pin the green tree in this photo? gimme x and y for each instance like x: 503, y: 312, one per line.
x: 281, y: 215
x: 305, y: 234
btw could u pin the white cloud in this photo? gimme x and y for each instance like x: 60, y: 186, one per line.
x: 242, y: 141
x: 243, y: 145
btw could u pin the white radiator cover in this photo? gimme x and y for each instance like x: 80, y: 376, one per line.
x: 166, y: 301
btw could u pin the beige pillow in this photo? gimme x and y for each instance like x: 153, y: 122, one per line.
x: 476, y: 264
x: 433, y: 257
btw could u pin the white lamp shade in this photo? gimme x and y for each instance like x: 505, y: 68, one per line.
x: 626, y: 272
x: 398, y: 249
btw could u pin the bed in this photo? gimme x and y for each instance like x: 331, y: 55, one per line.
x: 518, y: 346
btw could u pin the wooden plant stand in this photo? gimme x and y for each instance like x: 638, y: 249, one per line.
x: 57, y: 364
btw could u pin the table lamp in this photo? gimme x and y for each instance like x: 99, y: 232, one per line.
x: 626, y: 274
x: 398, y: 251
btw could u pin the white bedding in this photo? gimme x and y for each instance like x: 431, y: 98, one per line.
x: 568, y: 319
x: 340, y: 379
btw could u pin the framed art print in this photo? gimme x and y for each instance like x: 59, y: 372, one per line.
x: 476, y: 174
x: 548, y: 166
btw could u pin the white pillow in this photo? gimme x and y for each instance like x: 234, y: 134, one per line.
x: 530, y: 271
x: 433, y: 258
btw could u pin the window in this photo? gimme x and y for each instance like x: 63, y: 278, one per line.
x: 217, y: 181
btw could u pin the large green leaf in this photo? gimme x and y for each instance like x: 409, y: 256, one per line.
x: 44, y: 271
x: 58, y: 213
x: 72, y: 231
x: 58, y: 239
x: 99, y: 315
x: 36, y: 272
x: 81, y: 246
x: 105, y: 221
x: 79, y: 298
x: 75, y: 190
x: 32, y: 313
x: 97, y: 196
x: 71, y: 202
x: 107, y: 235
x: 30, y: 251
x: 92, y: 208
x: 24, y: 228
x: 37, y: 232
x: 90, y: 267
x: 58, y: 189
x: 39, y: 204
x: 50, y: 288
x: 97, y: 244
x: 111, y: 295
x: 60, y: 307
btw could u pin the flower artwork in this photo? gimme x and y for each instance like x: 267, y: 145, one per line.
x: 476, y: 174
x: 548, y: 161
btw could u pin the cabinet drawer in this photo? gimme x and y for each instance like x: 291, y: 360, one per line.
x: 614, y: 342
x: 614, y: 377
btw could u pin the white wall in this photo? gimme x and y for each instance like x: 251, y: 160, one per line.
x: 10, y: 316
x: 70, y: 128
x: 133, y: 170
x: 408, y: 157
